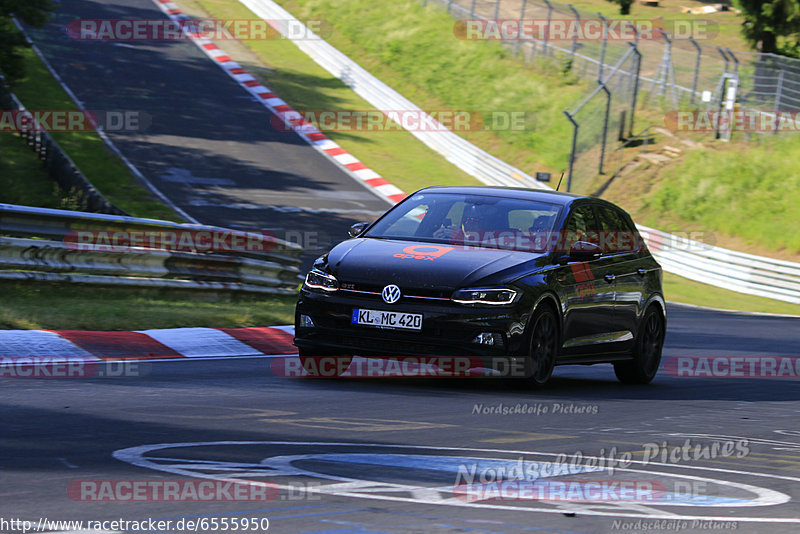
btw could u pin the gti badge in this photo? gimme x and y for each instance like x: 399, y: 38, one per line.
x: 390, y: 294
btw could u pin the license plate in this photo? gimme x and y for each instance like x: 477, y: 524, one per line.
x: 388, y: 319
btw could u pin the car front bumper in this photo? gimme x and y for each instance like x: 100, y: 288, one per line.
x: 448, y: 329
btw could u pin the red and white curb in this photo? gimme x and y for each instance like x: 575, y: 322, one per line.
x: 81, y: 353
x: 159, y: 344
x: 291, y: 118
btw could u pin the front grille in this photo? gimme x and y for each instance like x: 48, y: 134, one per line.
x: 374, y: 291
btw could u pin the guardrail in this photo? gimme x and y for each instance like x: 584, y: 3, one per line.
x: 728, y: 269
x: 456, y: 150
x: 58, y: 165
x: 697, y: 261
x: 89, y: 248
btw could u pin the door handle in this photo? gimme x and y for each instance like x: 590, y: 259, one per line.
x: 641, y: 272
x: 609, y: 278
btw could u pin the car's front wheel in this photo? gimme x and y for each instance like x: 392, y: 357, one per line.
x: 543, y: 349
x: 647, y: 351
x: 323, y: 363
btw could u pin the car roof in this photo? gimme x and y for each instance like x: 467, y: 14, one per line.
x: 544, y: 195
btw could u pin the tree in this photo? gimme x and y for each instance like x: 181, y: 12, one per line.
x: 33, y: 12
x: 765, y: 22
x: 624, y: 6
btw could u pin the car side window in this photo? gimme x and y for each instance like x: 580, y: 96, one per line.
x: 581, y: 226
x: 616, y: 234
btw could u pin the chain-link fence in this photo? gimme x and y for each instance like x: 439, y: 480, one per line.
x: 601, y: 119
x: 675, y: 70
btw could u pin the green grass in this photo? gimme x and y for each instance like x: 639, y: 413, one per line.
x: 750, y: 191
x: 677, y: 289
x: 45, y: 305
x: 280, y: 65
x: 39, y: 91
x: 724, y: 29
x: 413, y: 50
x: 22, y: 178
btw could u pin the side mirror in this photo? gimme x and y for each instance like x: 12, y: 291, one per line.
x: 357, y: 228
x: 584, y: 251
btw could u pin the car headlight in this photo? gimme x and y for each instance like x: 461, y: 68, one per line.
x: 316, y: 279
x: 493, y: 297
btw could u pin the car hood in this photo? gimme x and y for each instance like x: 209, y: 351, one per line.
x: 427, y: 265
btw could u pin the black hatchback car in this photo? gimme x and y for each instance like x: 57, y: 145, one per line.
x: 514, y: 278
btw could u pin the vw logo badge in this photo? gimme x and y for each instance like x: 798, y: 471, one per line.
x: 390, y: 294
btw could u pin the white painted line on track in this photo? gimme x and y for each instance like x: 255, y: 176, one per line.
x: 136, y: 456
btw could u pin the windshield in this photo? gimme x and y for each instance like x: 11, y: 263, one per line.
x: 470, y: 220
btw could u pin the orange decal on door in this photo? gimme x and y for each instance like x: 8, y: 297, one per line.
x: 582, y: 272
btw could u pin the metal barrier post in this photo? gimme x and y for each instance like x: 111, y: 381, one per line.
x: 725, y: 57
x: 693, y: 94
x: 735, y: 62
x: 521, y: 19
x: 778, y: 96
x: 575, y: 33
x: 547, y: 28
x: 637, y: 71
x: 605, y: 127
x: 602, y: 61
x: 574, y: 148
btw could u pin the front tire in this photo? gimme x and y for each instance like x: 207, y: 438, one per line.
x: 647, y: 351
x: 543, y: 347
x: 323, y: 363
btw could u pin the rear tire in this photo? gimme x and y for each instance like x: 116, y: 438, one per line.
x: 647, y: 351
x: 543, y: 347
x: 324, y: 363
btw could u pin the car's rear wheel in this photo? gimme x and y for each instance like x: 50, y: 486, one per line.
x: 647, y: 351
x: 323, y: 363
x: 543, y: 348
